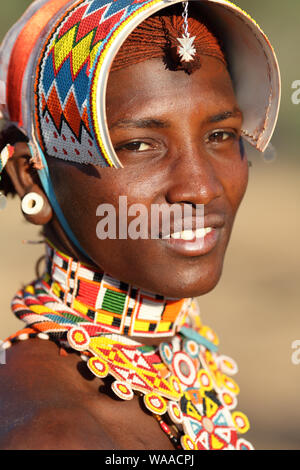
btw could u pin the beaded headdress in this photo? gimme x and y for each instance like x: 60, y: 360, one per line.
x: 70, y: 46
x: 55, y: 62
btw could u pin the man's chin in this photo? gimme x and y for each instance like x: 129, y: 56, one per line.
x: 189, y: 287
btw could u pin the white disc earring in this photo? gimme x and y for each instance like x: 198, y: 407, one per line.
x: 32, y: 203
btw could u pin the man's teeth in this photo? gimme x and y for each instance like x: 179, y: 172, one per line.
x: 191, y: 234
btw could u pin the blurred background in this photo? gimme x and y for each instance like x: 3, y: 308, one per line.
x: 255, y: 307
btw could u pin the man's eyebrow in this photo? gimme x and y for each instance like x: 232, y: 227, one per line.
x: 159, y: 124
x: 225, y: 115
x: 140, y: 123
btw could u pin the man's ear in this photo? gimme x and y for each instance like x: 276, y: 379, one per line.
x: 25, y: 180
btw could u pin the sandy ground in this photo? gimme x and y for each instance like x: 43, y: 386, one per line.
x: 254, y: 309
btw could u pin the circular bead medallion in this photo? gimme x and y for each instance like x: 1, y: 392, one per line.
x: 240, y: 421
x: 166, y: 353
x: 227, y: 365
x: 184, y: 367
x: 242, y: 444
x: 78, y: 338
x: 155, y: 403
x: 122, y: 390
x: 191, y: 348
x: 187, y: 443
x: 175, y: 412
x: 205, y: 380
x: 228, y: 399
x: 230, y: 384
x: 98, y: 367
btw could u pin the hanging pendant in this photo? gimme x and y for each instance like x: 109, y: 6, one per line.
x: 187, y: 50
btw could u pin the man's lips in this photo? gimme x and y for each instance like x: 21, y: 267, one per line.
x: 190, y: 228
x: 196, y: 242
x: 196, y: 246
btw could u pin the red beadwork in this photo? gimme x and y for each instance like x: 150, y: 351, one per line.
x: 165, y: 427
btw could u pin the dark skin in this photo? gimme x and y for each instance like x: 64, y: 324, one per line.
x: 192, y: 156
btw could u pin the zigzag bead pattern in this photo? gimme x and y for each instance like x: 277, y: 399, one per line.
x: 65, y: 78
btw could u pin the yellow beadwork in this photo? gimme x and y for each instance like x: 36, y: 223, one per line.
x: 97, y: 73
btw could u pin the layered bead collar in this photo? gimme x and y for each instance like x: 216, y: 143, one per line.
x: 112, y: 305
x: 184, y: 382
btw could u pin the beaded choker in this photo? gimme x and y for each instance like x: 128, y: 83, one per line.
x: 108, y: 304
x: 184, y: 382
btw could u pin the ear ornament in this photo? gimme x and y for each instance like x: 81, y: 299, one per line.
x: 32, y: 203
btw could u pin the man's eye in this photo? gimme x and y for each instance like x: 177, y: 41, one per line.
x: 137, y: 146
x: 220, y: 136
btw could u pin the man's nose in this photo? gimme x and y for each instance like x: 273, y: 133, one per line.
x: 193, y: 176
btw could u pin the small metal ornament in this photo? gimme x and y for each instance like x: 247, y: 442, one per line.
x: 187, y: 50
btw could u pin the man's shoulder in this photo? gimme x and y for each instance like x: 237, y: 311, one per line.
x: 42, y: 400
x: 30, y: 367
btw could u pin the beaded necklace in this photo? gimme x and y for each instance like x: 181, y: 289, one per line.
x: 184, y: 382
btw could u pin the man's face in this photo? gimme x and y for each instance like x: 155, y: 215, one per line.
x: 178, y: 139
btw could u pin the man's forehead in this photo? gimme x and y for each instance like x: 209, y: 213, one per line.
x: 151, y: 90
